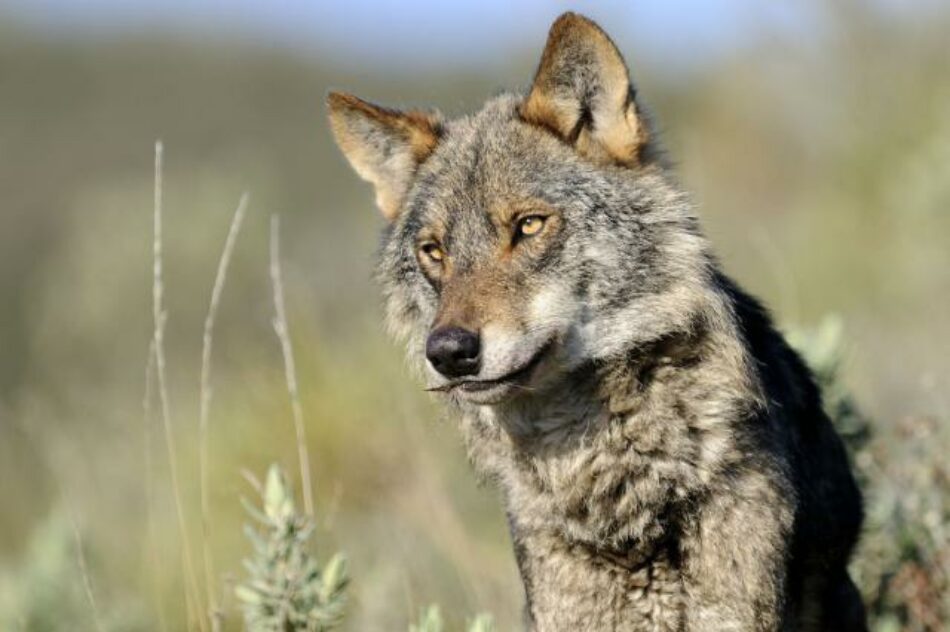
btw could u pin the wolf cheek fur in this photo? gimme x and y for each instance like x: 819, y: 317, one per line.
x: 662, y: 453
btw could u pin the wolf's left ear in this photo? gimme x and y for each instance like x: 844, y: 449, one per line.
x: 384, y: 146
x: 582, y: 92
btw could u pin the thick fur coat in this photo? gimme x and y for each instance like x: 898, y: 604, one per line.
x: 662, y: 453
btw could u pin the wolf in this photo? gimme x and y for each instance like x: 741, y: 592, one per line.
x: 662, y: 453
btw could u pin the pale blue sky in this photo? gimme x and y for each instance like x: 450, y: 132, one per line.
x: 403, y: 33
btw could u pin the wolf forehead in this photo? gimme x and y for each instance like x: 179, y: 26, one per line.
x: 490, y: 159
x: 487, y: 163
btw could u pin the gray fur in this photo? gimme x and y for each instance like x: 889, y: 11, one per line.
x: 667, y: 464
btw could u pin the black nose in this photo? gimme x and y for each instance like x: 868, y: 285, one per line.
x: 453, y: 351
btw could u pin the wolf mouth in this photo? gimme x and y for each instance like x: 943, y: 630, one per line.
x: 512, y: 378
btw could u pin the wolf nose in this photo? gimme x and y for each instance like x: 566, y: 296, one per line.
x: 453, y: 351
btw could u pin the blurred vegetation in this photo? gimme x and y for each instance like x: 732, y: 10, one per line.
x: 903, y: 561
x: 822, y: 166
x: 431, y: 621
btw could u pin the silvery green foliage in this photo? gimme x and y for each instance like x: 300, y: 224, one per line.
x: 43, y: 589
x: 903, y: 561
x: 482, y: 623
x: 823, y: 350
x: 286, y: 589
x: 431, y: 621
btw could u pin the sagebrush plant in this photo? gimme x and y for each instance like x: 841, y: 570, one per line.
x: 903, y: 560
x: 286, y: 588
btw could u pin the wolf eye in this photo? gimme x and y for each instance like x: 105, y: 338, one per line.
x: 531, y: 225
x: 432, y: 251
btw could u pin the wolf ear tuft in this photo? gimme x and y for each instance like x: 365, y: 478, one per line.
x: 384, y: 146
x: 582, y: 92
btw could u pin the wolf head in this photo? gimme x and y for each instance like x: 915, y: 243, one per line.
x: 539, y: 235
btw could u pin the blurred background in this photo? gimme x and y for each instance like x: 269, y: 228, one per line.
x: 815, y: 137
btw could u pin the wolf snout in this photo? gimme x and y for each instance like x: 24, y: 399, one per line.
x: 454, y: 351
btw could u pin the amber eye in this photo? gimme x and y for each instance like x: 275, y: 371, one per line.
x: 530, y: 225
x: 432, y: 251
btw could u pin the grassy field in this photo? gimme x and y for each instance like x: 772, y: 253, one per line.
x: 823, y: 173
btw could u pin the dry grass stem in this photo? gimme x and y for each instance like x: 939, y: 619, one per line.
x: 84, y: 571
x: 155, y: 559
x: 205, y: 405
x: 86, y: 579
x: 192, y: 594
x: 280, y: 327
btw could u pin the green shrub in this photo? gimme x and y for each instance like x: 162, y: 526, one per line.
x: 286, y: 589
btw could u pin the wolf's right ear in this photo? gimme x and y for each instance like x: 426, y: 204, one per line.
x: 384, y: 146
x: 582, y: 93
